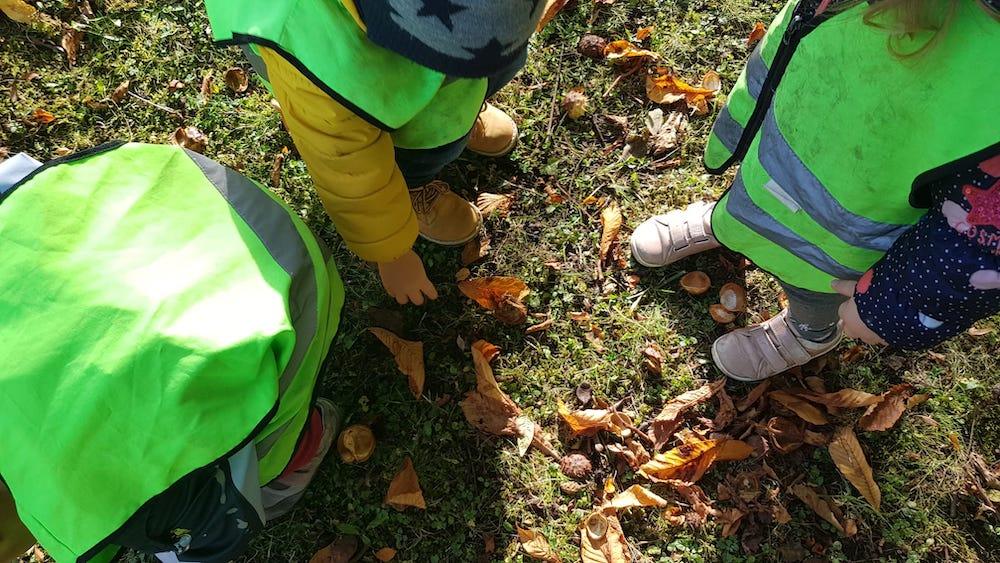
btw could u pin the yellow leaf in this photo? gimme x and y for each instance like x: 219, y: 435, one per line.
x: 799, y: 406
x: 687, y: 462
x: 807, y: 495
x: 385, y: 554
x: 733, y: 450
x: 643, y: 32
x: 356, y: 444
x: 552, y: 8
x: 636, y: 496
x: 409, y: 357
x: 611, y: 225
x: 848, y: 398
x: 489, y: 292
x: 850, y: 461
x: 18, y: 10
x: 536, y: 546
x: 405, y: 490
x: 612, y: 547
x: 622, y: 50
x: 588, y: 422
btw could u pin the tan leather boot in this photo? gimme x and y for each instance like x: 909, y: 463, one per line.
x: 494, y: 133
x: 444, y: 217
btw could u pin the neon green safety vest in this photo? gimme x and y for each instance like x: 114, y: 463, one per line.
x: 158, y: 312
x: 833, y: 130
x: 420, y: 107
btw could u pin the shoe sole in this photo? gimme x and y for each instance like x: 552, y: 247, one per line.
x: 505, y: 151
x: 479, y: 216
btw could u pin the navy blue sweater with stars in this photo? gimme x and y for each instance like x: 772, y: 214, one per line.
x: 943, y: 274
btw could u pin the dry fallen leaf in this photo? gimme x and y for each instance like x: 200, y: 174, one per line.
x: 554, y: 197
x: 475, y: 250
x: 409, y: 357
x: 652, y: 359
x: 624, y: 51
x: 206, y: 85
x: 917, y: 400
x: 385, y: 554
x: 120, y: 92
x: 799, y: 406
x: 190, y: 138
x: 643, y: 32
x: 884, y: 414
x: 575, y: 102
x: 756, y: 34
x: 18, y: 10
x: 726, y: 412
x: 665, y: 87
x: 850, y: 461
x: 356, y: 444
x: 500, y: 203
x: 611, y: 225
x: 687, y: 462
x: 341, y: 551
x: 978, y: 331
x: 701, y: 505
x: 786, y: 434
x: 847, y: 398
x: 552, y: 8
x: 664, y: 132
x: 236, y: 79
x: 588, y: 422
x: 174, y: 85
x: 812, y: 499
x: 540, y: 327
x: 634, y: 454
x: 606, y: 543
x: 70, y: 42
x: 753, y: 396
x: 42, y: 117
x: 279, y: 160
x: 405, y: 490
x: 636, y: 496
x: 489, y: 292
x: 666, y: 423
x: 536, y: 546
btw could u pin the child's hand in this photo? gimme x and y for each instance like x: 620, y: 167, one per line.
x: 405, y: 279
x: 854, y: 327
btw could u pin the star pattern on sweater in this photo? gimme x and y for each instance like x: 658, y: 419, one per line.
x: 985, y: 205
x: 442, y: 10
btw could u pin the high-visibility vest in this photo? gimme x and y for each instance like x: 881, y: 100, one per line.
x: 834, y: 132
x: 421, y: 108
x: 158, y: 312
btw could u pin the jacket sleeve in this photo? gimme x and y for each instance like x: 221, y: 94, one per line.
x: 352, y: 163
x: 938, y: 279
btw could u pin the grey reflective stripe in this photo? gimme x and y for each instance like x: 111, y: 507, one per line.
x: 787, y: 170
x: 275, y: 229
x: 741, y: 207
x: 756, y: 72
x: 265, y: 445
x: 243, y: 466
x: 727, y: 130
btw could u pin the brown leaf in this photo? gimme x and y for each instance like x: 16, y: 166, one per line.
x: 665, y: 87
x: 405, y: 490
x: 174, y: 85
x: 978, y: 331
x: 190, y: 138
x: 611, y: 225
x: 696, y: 497
x: 409, y: 357
x: 341, y: 551
x: 733, y: 450
x: 731, y: 519
x: 664, y: 132
x: 847, y: 398
x: 540, y: 327
x: 42, y: 117
x: 475, y: 250
x: 552, y: 8
x: 756, y: 34
x: 622, y: 51
x: 489, y: 292
x: 666, y: 423
x: 753, y: 396
x: 499, y: 203
x: 70, y: 42
x: 652, y: 359
x: 812, y: 499
x: 605, y: 543
x: 636, y: 496
x: 786, y: 434
x: 687, y: 462
x: 850, y: 461
x: 917, y: 400
x: 726, y: 413
x: 799, y: 406
x: 18, y: 10
x: 120, y: 92
x: 588, y: 422
x: 206, y: 85
x: 632, y: 452
x: 643, y: 32
x: 884, y: 414
x: 536, y: 546
x: 815, y: 438
x: 236, y: 80
x: 852, y: 355
x: 356, y: 444
x: 510, y: 311
x: 385, y: 554
x: 554, y: 197
x: 279, y: 160
x: 575, y: 103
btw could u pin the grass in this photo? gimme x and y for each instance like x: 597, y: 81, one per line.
x: 476, y: 486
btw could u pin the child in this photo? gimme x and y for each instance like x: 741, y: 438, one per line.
x: 869, y: 181
x: 163, y: 321
x: 379, y: 95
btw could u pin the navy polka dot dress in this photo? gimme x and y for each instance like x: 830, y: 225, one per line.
x: 944, y: 273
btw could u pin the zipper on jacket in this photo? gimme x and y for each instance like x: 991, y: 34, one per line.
x: 798, y: 28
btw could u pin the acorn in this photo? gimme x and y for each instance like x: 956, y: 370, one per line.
x: 575, y: 466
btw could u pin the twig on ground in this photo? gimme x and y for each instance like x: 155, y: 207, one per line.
x: 172, y: 111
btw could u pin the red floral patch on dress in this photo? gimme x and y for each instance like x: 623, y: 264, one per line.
x: 985, y: 205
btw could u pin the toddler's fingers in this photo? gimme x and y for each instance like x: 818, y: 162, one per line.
x: 416, y: 297
x: 430, y: 291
